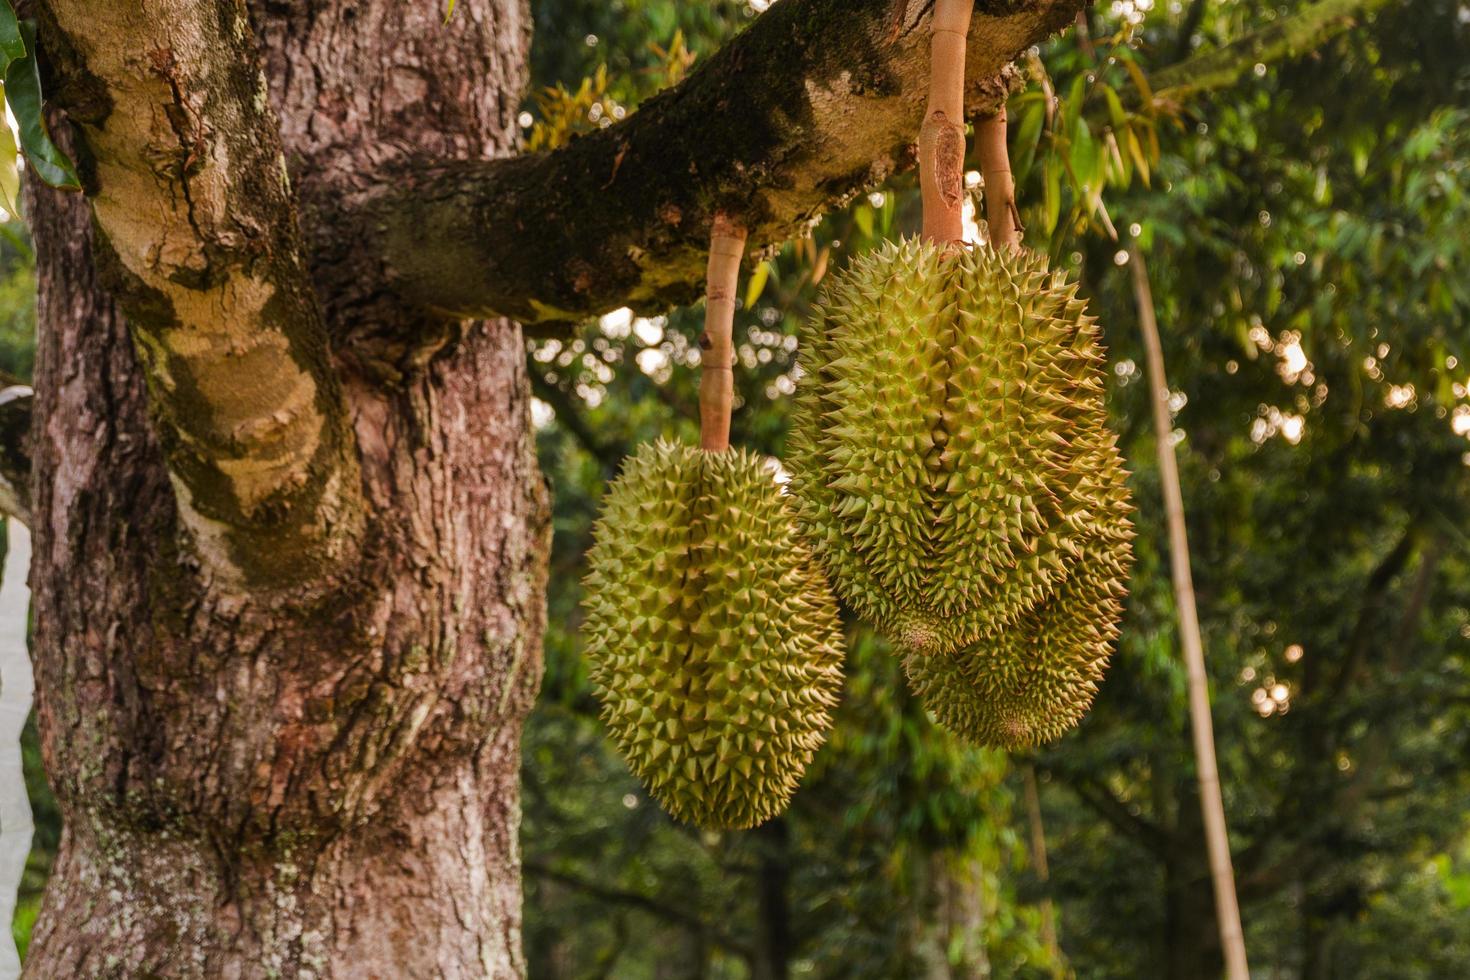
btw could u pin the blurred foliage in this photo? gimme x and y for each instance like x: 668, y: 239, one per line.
x: 1307, y: 236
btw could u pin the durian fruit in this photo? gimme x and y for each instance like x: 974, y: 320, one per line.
x: 1028, y: 683
x: 713, y: 638
x: 953, y: 468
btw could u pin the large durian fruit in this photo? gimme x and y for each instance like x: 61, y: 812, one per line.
x: 954, y: 472
x: 1028, y: 683
x: 713, y: 638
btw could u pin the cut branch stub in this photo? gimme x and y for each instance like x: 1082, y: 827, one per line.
x: 942, y: 137
x: 717, y: 348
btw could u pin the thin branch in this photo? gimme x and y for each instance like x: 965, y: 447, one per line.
x: 637, y: 900
x: 1298, y: 34
x: 1105, y: 804
x: 1374, y: 752
x: 1184, y: 40
x: 1374, y: 598
x: 1038, y: 861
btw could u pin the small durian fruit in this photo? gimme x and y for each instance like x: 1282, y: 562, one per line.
x: 1031, y: 681
x: 713, y: 639
x: 950, y: 457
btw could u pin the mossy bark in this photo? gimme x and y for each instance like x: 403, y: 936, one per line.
x: 284, y: 774
x: 817, y: 101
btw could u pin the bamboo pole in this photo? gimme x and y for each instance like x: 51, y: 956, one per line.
x: 1217, y: 840
x: 942, y: 135
x: 716, y: 344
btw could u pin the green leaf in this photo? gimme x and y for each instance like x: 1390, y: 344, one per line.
x: 1145, y: 91
x: 12, y: 45
x: 1028, y: 134
x: 23, y: 93
x: 9, y: 175
x: 757, y: 284
x: 1052, y: 199
x: 1115, y: 109
x: 1072, y: 108
x: 1085, y: 159
x: 1135, y: 150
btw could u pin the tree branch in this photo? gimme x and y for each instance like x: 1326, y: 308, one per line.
x: 1295, y: 35
x: 644, y: 903
x: 562, y: 402
x: 1105, y: 804
x: 181, y: 159
x: 817, y: 101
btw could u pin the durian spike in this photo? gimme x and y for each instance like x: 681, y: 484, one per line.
x: 1001, y: 216
x: 942, y: 137
x: 717, y: 349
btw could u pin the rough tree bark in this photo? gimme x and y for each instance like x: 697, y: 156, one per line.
x: 265, y: 772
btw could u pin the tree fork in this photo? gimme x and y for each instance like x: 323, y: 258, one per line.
x: 185, y: 172
x: 318, y: 780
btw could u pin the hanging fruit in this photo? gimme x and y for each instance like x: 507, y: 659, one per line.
x: 713, y: 638
x: 950, y: 454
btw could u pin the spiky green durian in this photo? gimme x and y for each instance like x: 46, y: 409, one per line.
x: 1030, y: 681
x: 950, y: 456
x: 712, y: 636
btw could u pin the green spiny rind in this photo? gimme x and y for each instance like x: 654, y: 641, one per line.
x: 951, y: 464
x: 712, y: 636
x: 1031, y: 681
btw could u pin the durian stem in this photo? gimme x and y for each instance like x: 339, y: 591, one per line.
x: 717, y: 348
x: 1212, y: 806
x: 1001, y: 216
x: 942, y: 136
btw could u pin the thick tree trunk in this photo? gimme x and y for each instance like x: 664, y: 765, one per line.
x: 320, y: 779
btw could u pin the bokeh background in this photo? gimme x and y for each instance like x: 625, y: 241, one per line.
x: 1307, y: 230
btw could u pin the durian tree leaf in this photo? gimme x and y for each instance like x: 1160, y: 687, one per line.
x: 1028, y: 135
x: 1116, y: 115
x: 9, y: 172
x: 23, y: 94
x: 12, y: 44
x: 757, y: 284
x: 1135, y: 151
x: 1084, y: 159
x: 1140, y: 82
x: 1072, y: 105
x: 1051, y: 201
